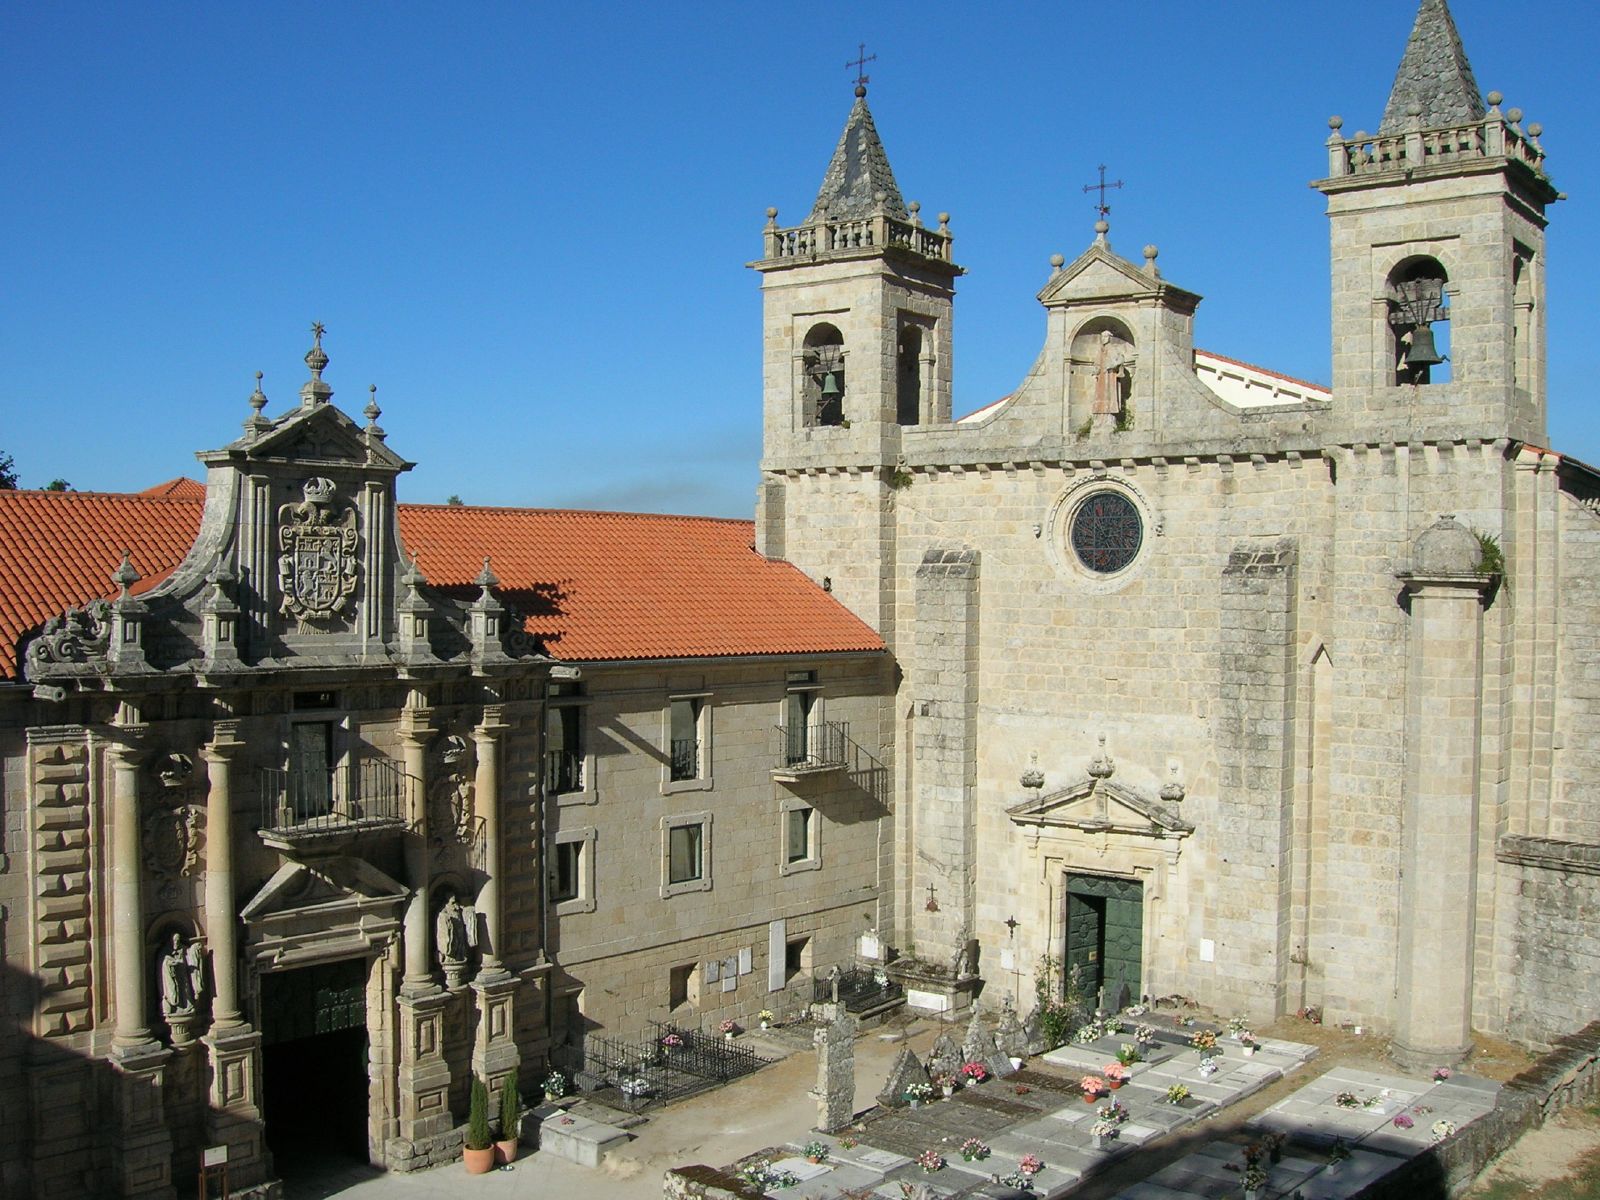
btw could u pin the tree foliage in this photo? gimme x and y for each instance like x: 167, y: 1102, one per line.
x: 8, y: 473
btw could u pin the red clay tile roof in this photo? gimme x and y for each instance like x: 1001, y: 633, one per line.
x: 181, y: 488
x: 594, y: 585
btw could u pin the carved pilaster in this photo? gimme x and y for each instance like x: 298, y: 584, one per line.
x: 486, y: 798
x: 494, y: 1051
x: 233, y: 1116
x: 133, y: 1038
x: 141, y: 1143
x: 416, y: 729
x: 424, y: 1074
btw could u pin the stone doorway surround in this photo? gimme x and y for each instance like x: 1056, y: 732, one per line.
x: 324, y: 912
x: 1100, y: 830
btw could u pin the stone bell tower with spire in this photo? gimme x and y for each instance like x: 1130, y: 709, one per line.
x: 1437, y: 229
x: 857, y: 305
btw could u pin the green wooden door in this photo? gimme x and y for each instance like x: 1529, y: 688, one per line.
x: 1105, y: 932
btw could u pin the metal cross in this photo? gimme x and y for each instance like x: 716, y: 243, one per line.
x: 862, y: 59
x: 1011, y: 926
x: 1102, y: 208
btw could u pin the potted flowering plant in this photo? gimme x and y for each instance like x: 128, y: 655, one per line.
x: 1255, y: 1178
x: 765, y: 1018
x: 1248, y: 1041
x: 930, y: 1161
x: 1206, y: 1042
x: 1093, y: 1087
x: 946, y: 1084
x: 1030, y: 1165
x: 1115, y: 1073
x: 974, y: 1150
x: 729, y: 1027
x: 1440, y: 1074
x: 1177, y: 1094
x: 1103, y: 1132
x: 973, y: 1073
x: 916, y: 1093
x: 555, y: 1085
x: 815, y: 1151
x: 1129, y: 1054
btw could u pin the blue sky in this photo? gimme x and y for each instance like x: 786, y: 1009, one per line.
x: 528, y: 223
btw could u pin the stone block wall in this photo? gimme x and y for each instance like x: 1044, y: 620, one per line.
x: 1555, y: 937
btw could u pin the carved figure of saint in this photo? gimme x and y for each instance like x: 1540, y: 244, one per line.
x: 1111, y: 375
x: 182, y: 976
x: 450, y: 932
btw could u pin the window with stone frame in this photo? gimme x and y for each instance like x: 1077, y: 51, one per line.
x: 688, y: 743
x: 571, y: 870
x: 798, y: 831
x: 566, y: 874
x: 565, y: 765
x: 686, y: 853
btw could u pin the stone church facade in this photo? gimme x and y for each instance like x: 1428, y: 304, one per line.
x: 1216, y: 682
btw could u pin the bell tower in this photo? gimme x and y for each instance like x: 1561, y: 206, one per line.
x: 1437, y: 238
x: 856, y: 314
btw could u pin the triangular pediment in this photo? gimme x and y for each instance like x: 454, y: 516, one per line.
x: 1098, y: 275
x: 1099, y: 804
x: 326, y: 885
x: 319, y: 435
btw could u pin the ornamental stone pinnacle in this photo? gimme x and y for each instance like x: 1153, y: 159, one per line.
x: 314, y: 391
x: 1434, y: 85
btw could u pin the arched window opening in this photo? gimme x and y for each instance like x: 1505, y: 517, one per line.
x: 1419, y: 316
x: 1522, y: 317
x: 824, y: 376
x: 908, y: 377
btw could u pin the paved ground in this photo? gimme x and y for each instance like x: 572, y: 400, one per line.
x: 768, y: 1108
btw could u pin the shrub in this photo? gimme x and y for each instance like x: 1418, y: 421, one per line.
x: 478, y: 1117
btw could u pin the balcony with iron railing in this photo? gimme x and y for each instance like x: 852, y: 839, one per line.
x: 811, y: 749
x: 301, y: 805
x: 685, y: 759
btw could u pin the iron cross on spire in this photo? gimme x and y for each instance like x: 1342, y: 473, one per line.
x: 861, y: 60
x: 1102, y: 208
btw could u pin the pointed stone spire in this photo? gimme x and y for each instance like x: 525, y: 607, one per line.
x: 858, y: 171
x: 1434, y: 83
x: 314, y: 392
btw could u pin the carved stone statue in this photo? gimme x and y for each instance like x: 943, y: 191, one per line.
x: 450, y: 932
x: 1112, y: 376
x: 181, y: 972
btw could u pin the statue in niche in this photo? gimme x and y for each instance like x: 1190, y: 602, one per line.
x: 450, y: 791
x: 1113, y: 375
x: 181, y: 972
x: 454, y: 931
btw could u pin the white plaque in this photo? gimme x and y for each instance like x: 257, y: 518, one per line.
x: 729, y: 982
x: 713, y: 970
x: 214, y: 1156
x: 746, y: 959
x: 1008, y: 959
x: 870, y: 947
x: 1208, y: 950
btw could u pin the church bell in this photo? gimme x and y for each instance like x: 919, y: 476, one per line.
x: 830, y: 386
x: 1422, y: 352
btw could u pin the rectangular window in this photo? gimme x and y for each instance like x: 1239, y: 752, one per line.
x: 799, y: 834
x: 684, y: 846
x: 563, y: 749
x: 796, y: 958
x: 685, y: 739
x: 797, y: 727
x: 567, y: 873
x: 311, y: 769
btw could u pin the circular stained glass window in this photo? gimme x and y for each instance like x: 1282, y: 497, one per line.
x: 1106, y: 532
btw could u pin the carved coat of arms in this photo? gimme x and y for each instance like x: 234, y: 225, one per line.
x: 317, y: 563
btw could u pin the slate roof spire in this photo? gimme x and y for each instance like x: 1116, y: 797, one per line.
x: 1434, y: 76
x: 858, y: 171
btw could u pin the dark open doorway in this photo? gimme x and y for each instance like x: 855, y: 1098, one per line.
x: 314, y: 1065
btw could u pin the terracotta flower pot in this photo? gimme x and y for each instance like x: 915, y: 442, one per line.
x: 505, y: 1151
x: 1115, y: 1083
x: 1090, y: 1097
x: 478, y: 1162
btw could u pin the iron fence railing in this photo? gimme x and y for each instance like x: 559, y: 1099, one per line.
x: 668, y: 1063
x: 563, y: 771
x: 685, y: 759
x: 371, y: 790
x: 860, y: 988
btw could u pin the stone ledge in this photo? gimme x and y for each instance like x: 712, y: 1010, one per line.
x: 1549, y: 854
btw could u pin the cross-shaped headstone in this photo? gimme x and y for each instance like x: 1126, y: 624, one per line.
x: 861, y: 60
x: 1102, y: 208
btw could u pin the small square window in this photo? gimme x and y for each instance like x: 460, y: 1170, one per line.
x: 680, y: 985
x: 799, y: 848
x: 796, y: 958
x: 684, y: 853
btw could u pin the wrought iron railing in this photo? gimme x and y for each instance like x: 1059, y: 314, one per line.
x: 669, y: 1063
x: 860, y: 988
x: 813, y: 747
x: 685, y: 759
x: 373, y: 790
x: 563, y: 771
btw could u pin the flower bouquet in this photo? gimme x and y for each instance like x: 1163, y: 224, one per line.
x: 1402, y: 1121
x: 1112, y: 1112
x: 728, y: 1027
x: 1443, y: 1129
x: 1030, y: 1165
x: 930, y: 1161
x: 1205, y: 1041
x: 1177, y: 1094
x: 765, y: 1017
x: 672, y: 1041
x: 555, y: 1085
x: 815, y: 1151
x: 974, y: 1150
x: 1103, y: 1131
x: 973, y: 1072
x: 1440, y: 1074
x: 916, y: 1093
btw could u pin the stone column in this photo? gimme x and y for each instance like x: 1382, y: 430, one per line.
x: 1439, y: 874
x: 494, y: 1049
x: 424, y: 1076
x: 834, y: 1038
x: 141, y: 1142
x: 233, y: 1112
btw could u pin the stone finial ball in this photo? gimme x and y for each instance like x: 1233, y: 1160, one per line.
x: 1102, y: 226
x: 1446, y: 547
x: 914, y: 206
x: 944, y: 218
x: 1151, y: 251
x: 1494, y: 99
x: 771, y: 213
x: 1513, y: 115
x: 880, y: 196
x: 1057, y: 261
x: 1535, y: 129
x: 1336, y: 122
x: 1361, y: 135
